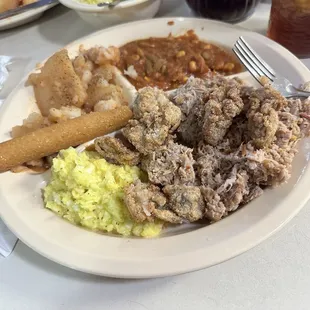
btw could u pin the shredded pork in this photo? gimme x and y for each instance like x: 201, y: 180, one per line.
x: 155, y: 117
x: 142, y: 199
x: 170, y: 164
x: 232, y: 141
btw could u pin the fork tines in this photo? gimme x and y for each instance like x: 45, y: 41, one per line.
x: 252, y: 61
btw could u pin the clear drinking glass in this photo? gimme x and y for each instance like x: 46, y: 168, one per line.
x: 289, y: 25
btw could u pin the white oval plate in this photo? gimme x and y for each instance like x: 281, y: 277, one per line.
x: 24, y: 18
x: 185, y: 248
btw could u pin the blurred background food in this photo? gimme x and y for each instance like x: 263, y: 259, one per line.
x: 125, y: 11
x: 6, y: 5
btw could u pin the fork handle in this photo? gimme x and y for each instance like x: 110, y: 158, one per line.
x: 299, y: 93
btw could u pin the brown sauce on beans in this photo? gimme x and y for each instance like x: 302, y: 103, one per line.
x: 168, y: 62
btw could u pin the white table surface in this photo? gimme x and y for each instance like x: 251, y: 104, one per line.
x: 274, y: 275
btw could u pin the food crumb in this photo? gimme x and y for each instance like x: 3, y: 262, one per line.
x: 264, y: 80
x: 170, y: 23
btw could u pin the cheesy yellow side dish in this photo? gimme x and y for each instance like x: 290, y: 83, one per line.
x: 88, y: 191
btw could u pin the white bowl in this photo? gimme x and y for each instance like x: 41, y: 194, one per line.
x: 125, y: 11
x: 25, y: 17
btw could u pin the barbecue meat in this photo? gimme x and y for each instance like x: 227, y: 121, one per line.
x: 146, y: 202
x: 223, y: 105
x: 185, y: 201
x: 145, y: 139
x: 153, y: 106
x: 234, y: 189
x: 185, y: 97
x: 167, y: 216
x: 208, y: 108
x: 142, y: 199
x: 155, y: 117
x: 214, y: 207
x: 115, y: 152
x: 170, y: 164
x: 242, y: 140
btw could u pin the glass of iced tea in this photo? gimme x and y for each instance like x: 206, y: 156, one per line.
x: 289, y: 25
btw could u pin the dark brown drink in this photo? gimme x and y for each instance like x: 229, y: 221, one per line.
x: 231, y: 11
x: 289, y: 25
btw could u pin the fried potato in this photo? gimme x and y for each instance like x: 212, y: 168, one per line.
x: 6, y: 5
x: 33, y: 122
x: 99, y: 89
x: 57, y: 84
x: 25, y: 2
x: 107, y: 72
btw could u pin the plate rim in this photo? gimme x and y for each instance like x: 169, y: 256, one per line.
x: 8, y: 23
x: 144, y: 273
x: 92, y: 8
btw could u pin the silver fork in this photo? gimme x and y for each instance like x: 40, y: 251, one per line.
x: 260, y: 70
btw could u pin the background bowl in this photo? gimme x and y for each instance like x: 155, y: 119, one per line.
x: 126, y: 11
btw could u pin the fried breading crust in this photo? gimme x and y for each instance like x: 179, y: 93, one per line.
x: 49, y: 140
x: 57, y: 84
x: 115, y: 152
